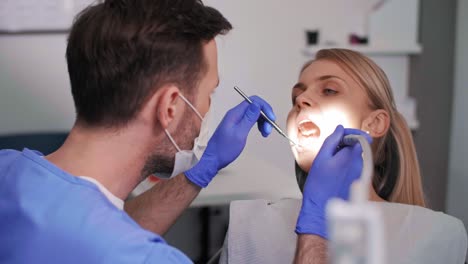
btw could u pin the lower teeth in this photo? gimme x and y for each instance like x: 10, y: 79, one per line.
x: 308, y: 133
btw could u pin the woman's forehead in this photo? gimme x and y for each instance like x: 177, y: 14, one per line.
x: 320, y: 68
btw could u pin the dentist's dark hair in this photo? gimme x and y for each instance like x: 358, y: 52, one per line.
x: 121, y: 51
x: 397, y: 177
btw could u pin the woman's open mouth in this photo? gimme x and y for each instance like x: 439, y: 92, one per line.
x: 307, y: 134
x: 308, y: 129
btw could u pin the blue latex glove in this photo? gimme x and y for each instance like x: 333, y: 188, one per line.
x: 331, y: 175
x: 229, y: 139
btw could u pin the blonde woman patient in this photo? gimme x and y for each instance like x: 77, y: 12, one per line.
x: 343, y: 87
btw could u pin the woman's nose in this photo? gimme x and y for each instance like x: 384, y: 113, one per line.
x: 303, y: 101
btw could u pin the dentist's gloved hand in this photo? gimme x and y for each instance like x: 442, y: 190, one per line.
x: 229, y: 139
x: 331, y: 175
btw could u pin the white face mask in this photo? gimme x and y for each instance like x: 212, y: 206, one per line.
x: 186, y: 159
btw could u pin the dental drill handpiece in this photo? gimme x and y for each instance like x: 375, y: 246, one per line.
x: 367, y: 167
x: 271, y: 122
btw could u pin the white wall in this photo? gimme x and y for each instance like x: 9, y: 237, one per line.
x: 457, y: 200
x: 34, y: 87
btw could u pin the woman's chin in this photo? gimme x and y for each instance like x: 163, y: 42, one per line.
x: 306, y: 151
x: 305, y: 160
x: 305, y: 167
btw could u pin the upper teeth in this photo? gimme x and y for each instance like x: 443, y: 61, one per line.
x: 304, y: 121
x: 307, y: 131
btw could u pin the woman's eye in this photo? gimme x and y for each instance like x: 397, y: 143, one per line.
x: 328, y: 91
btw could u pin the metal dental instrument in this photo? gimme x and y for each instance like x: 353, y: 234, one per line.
x: 266, y: 117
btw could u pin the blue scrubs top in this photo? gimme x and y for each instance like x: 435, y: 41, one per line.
x: 50, y: 216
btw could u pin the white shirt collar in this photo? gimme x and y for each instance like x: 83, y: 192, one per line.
x: 119, y: 203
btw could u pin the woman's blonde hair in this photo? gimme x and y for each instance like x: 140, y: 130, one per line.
x: 397, y: 177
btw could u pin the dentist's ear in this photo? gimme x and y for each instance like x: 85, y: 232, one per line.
x: 377, y: 123
x: 162, y: 107
x: 168, y: 105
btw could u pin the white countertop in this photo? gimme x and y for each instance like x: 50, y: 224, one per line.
x: 247, y: 178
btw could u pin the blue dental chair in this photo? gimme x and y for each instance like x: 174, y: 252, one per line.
x: 45, y: 142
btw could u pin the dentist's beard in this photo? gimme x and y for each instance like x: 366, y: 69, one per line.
x: 162, y: 159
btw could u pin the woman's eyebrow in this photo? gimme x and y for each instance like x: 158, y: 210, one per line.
x: 300, y: 86
x: 327, y: 77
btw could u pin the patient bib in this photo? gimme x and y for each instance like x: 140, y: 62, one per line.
x: 261, y: 231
